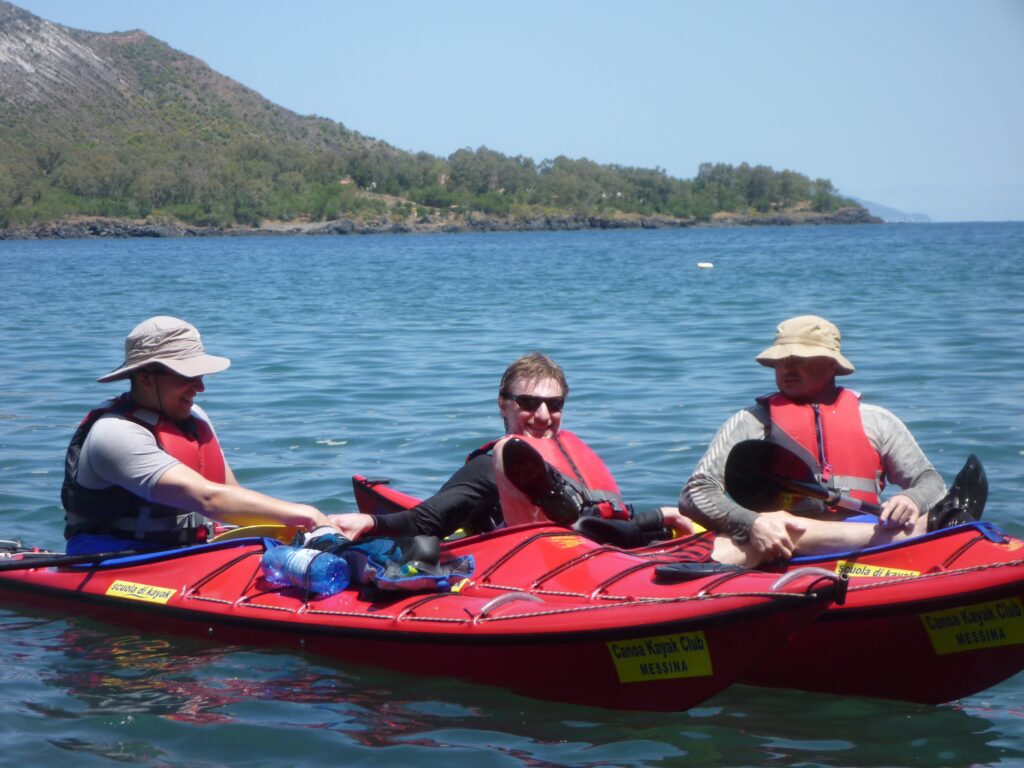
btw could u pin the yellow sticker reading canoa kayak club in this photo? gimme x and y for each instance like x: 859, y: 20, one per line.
x: 661, y: 657
x: 132, y: 591
x: 853, y: 570
x: 971, y: 627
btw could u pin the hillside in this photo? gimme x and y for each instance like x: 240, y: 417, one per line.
x: 123, y: 130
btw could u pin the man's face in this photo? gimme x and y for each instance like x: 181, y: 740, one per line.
x: 535, y: 413
x: 168, y: 393
x: 805, y: 379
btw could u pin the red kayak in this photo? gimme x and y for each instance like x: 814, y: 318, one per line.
x: 546, y: 613
x: 928, y: 620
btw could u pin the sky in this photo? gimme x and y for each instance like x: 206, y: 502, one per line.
x: 914, y: 104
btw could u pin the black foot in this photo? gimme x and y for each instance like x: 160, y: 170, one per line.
x: 559, y: 497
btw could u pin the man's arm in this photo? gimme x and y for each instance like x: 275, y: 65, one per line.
x: 184, y: 488
x: 123, y: 453
x: 703, y: 498
x: 905, y: 465
x: 471, y: 491
x: 120, y: 452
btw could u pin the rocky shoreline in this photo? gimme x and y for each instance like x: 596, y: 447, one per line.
x: 473, y: 222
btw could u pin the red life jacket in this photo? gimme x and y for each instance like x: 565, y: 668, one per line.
x: 831, y: 439
x: 115, y: 511
x: 572, y: 457
x: 194, y: 444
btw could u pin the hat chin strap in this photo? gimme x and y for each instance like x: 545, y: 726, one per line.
x: 159, y: 399
x: 156, y: 387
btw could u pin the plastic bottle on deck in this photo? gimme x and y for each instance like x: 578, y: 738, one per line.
x: 325, y: 539
x: 317, y: 572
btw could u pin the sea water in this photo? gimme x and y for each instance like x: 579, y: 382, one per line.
x: 382, y: 356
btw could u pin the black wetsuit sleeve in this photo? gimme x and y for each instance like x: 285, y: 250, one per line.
x: 649, y: 519
x: 470, y: 497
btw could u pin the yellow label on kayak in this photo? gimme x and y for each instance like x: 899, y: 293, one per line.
x: 970, y: 627
x: 567, y: 541
x: 132, y: 591
x: 662, y: 657
x: 845, y: 567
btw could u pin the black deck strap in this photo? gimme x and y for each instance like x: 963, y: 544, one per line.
x: 678, y: 572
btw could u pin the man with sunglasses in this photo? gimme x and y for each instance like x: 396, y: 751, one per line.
x: 510, y: 480
x: 144, y: 470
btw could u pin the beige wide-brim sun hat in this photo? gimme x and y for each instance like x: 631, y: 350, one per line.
x: 806, y: 336
x: 170, y: 342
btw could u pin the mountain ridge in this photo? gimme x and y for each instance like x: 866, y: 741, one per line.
x: 122, y: 127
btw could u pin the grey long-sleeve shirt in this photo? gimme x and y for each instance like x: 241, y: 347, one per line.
x: 704, y: 499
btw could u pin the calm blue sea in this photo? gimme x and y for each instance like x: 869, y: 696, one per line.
x: 382, y: 355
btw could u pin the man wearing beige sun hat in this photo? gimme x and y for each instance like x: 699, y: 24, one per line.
x: 852, y: 446
x: 144, y: 470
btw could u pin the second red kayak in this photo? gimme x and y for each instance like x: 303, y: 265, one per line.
x: 929, y: 619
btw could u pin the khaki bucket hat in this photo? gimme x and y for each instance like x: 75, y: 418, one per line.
x: 170, y: 342
x: 806, y: 336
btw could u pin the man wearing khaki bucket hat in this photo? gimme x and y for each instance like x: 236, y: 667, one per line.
x: 144, y: 469
x: 854, y: 447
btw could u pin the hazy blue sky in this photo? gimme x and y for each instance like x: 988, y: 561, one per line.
x: 915, y: 104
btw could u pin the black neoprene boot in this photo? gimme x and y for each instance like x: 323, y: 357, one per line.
x: 560, y: 498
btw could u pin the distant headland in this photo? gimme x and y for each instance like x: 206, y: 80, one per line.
x: 120, y: 135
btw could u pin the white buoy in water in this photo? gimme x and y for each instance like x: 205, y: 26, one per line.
x: 705, y: 265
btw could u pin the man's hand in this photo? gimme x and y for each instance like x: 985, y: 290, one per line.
x: 900, y: 511
x: 676, y: 521
x: 353, y: 525
x: 772, y: 534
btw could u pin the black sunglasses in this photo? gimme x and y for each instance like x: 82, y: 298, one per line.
x: 533, y: 402
x: 159, y: 370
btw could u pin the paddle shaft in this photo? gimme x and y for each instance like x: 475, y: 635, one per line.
x: 36, y: 560
x: 820, y: 492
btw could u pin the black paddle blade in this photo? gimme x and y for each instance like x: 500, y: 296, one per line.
x: 764, y: 477
x: 966, y: 499
x: 971, y: 487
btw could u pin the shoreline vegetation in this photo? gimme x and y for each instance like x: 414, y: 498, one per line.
x: 160, y: 227
x: 120, y: 135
